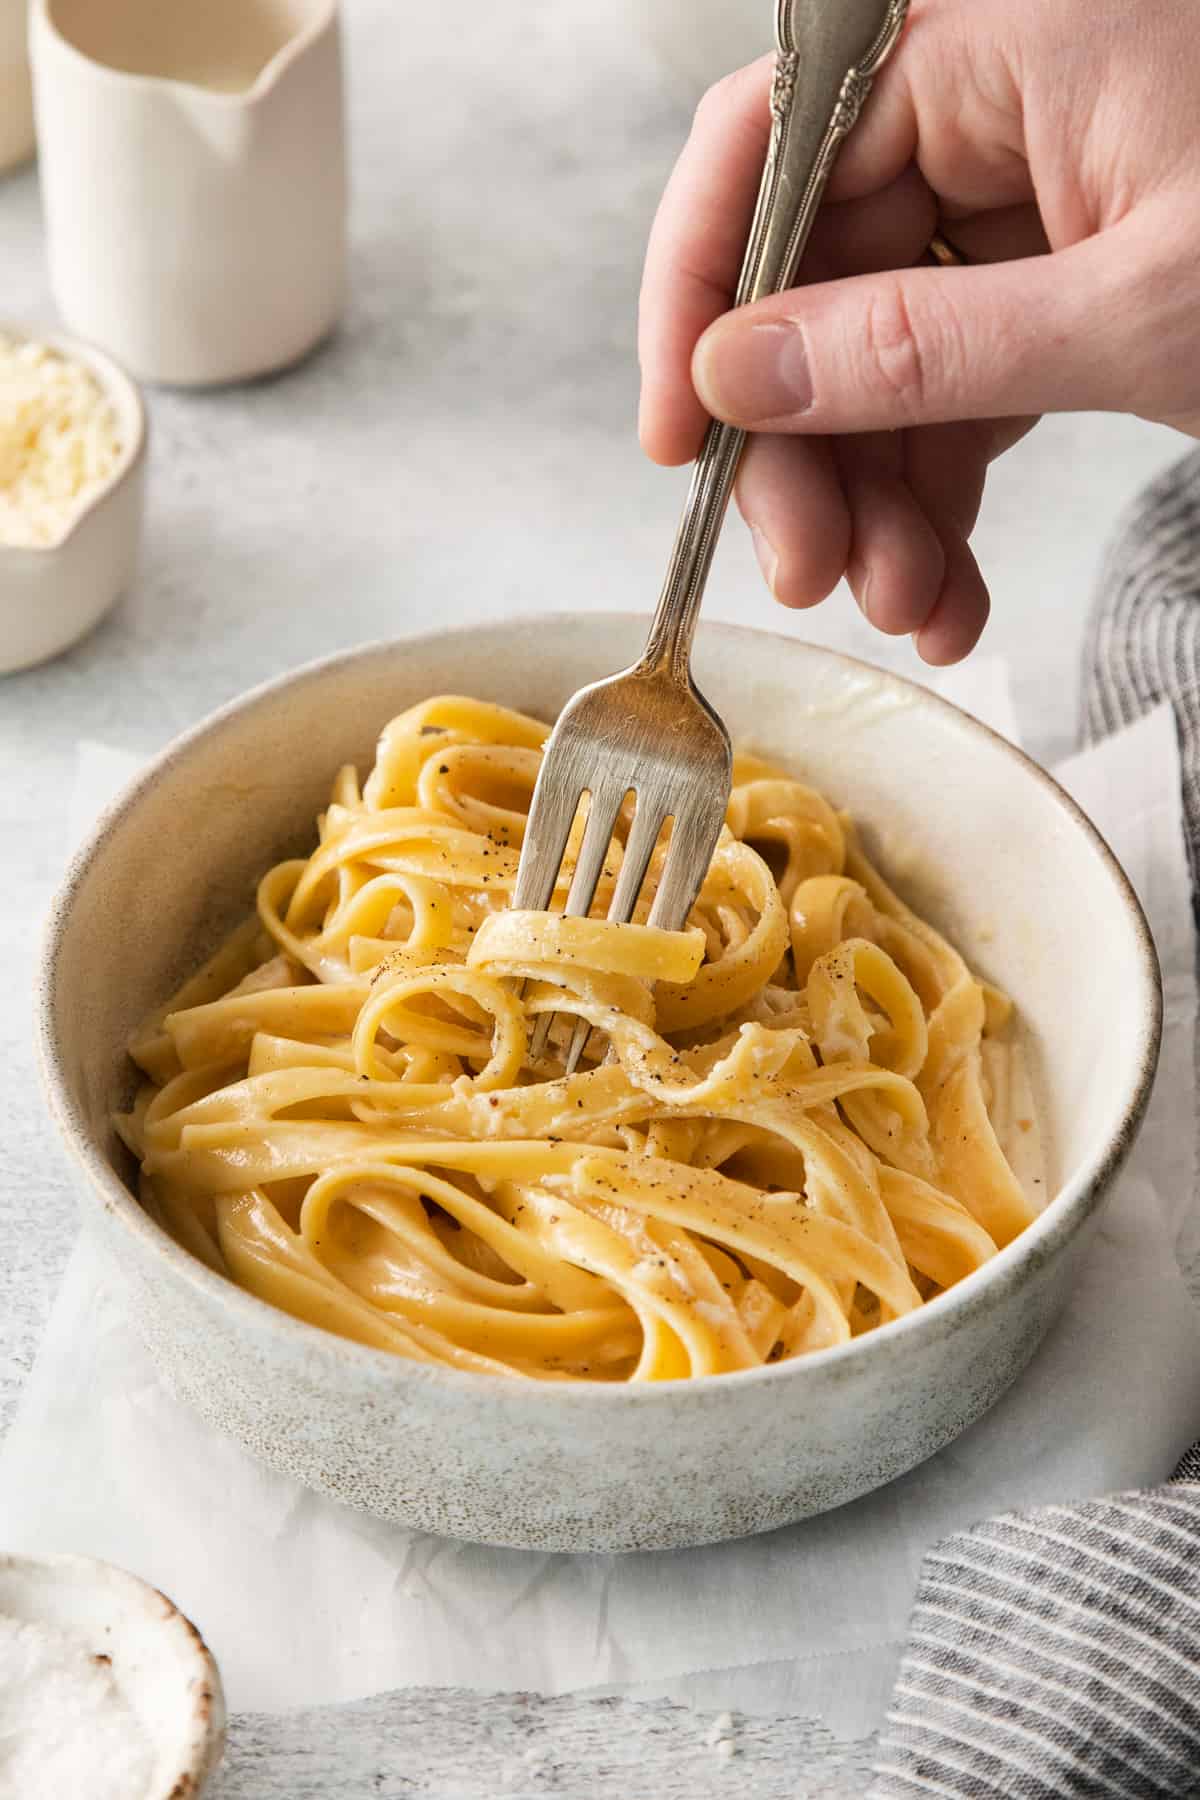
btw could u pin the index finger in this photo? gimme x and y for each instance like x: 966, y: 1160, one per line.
x: 695, y: 251
x: 699, y: 237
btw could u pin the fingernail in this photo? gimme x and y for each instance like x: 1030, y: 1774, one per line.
x: 753, y: 374
x: 768, y: 561
x: 864, y: 599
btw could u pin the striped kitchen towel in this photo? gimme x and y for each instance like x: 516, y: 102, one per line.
x: 1055, y: 1653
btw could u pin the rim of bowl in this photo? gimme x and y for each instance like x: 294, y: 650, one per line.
x: 124, y: 393
x: 203, y: 1698
x: 323, y: 18
x: 1060, y: 1218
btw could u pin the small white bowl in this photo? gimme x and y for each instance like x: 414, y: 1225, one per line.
x: 52, y: 594
x: 976, y: 836
x: 160, y: 1663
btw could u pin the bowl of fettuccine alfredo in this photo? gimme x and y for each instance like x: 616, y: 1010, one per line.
x: 803, y: 1211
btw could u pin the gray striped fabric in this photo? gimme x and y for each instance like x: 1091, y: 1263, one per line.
x: 1143, y: 643
x: 1056, y: 1653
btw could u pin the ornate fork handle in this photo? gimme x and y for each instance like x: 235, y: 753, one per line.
x: 828, y: 53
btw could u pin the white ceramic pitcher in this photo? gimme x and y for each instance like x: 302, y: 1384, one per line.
x: 16, y: 100
x: 193, y: 178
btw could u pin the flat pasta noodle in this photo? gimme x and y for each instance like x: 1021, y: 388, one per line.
x: 778, y: 1138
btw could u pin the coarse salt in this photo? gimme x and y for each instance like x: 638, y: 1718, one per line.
x: 59, y: 441
x: 65, y: 1727
x: 720, y: 1731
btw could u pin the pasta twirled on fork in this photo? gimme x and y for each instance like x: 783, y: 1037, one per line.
x: 779, y: 1137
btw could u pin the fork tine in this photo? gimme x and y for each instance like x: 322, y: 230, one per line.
x: 546, y: 832
x: 541, y: 1032
x: 603, y: 807
x: 551, y: 816
x: 693, y: 840
x: 639, y: 848
x: 580, y: 1036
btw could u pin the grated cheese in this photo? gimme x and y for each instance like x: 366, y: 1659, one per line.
x: 59, y: 440
x: 65, y: 1727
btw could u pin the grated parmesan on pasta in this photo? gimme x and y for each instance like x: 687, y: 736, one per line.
x: 59, y: 440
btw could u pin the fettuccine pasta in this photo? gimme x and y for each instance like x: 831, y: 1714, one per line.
x: 778, y: 1139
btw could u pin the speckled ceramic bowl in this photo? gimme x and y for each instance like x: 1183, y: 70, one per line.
x: 975, y: 835
x: 162, y: 1668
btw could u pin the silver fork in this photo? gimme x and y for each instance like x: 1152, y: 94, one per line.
x: 649, y: 730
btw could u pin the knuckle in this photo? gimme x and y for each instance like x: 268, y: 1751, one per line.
x: 910, y: 358
x: 894, y: 355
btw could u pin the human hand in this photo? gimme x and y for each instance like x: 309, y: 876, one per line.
x: 1055, y: 146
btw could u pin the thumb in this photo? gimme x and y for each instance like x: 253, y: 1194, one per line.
x: 921, y: 346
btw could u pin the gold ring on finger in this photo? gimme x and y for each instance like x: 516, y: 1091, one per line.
x: 944, y: 254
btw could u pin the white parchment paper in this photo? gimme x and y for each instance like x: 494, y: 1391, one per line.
x: 305, y: 1602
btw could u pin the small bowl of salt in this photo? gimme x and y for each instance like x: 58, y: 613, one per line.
x: 106, y: 1690
x: 72, y: 477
